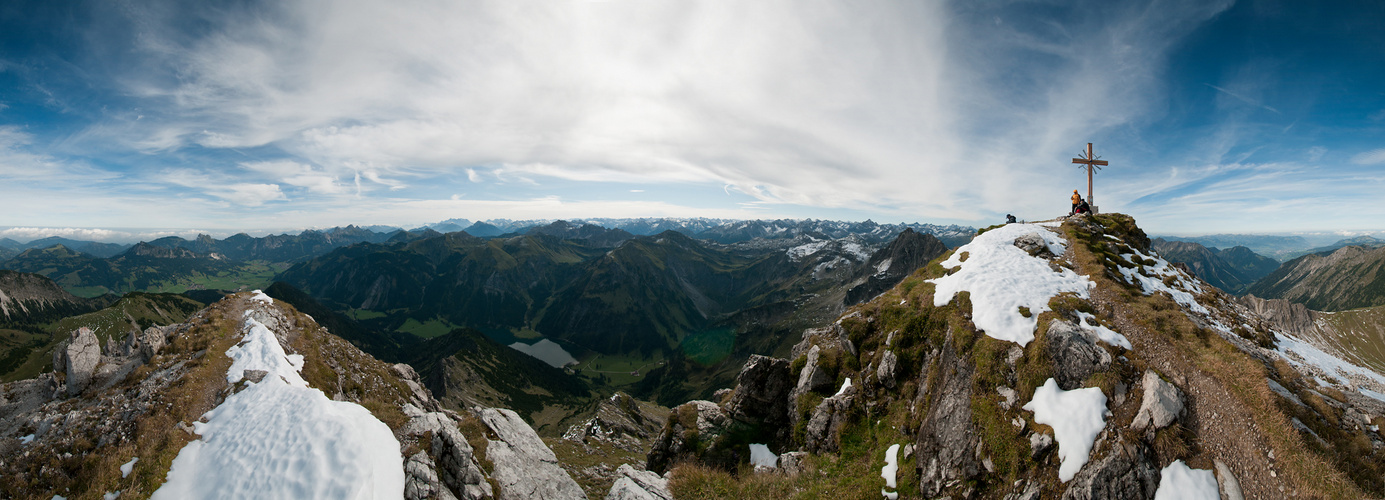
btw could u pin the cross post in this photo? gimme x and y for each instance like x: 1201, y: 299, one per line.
x: 1091, y: 162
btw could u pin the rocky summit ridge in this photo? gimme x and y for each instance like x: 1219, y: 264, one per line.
x: 1061, y: 359
x: 1127, y: 377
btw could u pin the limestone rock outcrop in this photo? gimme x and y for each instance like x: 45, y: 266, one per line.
x: 1162, y: 403
x: 524, y: 467
x: 1075, y: 353
x: 634, y: 484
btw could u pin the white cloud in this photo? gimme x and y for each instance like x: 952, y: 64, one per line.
x: 900, y: 107
x: 222, y: 186
x: 297, y: 174
x: 1374, y: 157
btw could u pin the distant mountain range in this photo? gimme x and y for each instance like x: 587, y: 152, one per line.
x: 722, y: 230
x: 1231, y: 270
x: 610, y: 294
x: 1281, y: 248
x: 142, y: 267
x: 1346, y: 278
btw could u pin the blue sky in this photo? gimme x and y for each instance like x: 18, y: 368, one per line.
x: 120, y: 118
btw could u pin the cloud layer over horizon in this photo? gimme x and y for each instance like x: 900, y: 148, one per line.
x: 314, y: 113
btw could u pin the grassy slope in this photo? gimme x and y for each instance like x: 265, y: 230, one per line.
x: 1360, y: 336
x: 26, y: 358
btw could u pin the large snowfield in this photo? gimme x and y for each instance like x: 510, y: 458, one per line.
x: 1003, y: 278
x: 279, y: 438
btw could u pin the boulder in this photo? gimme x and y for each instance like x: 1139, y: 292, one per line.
x: 885, y: 372
x: 633, y: 484
x: 524, y: 467
x: 1127, y: 472
x: 81, y: 354
x: 824, y: 428
x: 1033, y: 244
x: 149, y: 343
x: 1162, y: 403
x: 1075, y: 354
x: 1227, y: 483
x: 793, y: 462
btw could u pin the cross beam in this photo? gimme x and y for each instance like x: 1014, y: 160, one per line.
x: 1091, y: 162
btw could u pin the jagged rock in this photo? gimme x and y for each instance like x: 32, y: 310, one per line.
x: 1033, y: 244
x: 680, y: 438
x: 633, y: 484
x: 761, y: 397
x: 1075, y: 354
x: 80, y: 356
x: 455, y: 459
x: 792, y: 463
x: 885, y: 372
x: 947, y: 438
x: 421, y: 479
x: 827, y: 337
x: 620, y: 420
x: 722, y: 393
x: 824, y: 428
x: 1161, y: 404
x: 813, y: 377
x: 1127, y: 472
x: 421, y: 396
x: 524, y: 467
x: 1294, y: 318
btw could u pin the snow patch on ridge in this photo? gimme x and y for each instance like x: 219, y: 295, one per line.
x: 1179, y: 482
x: 1076, y: 416
x: 1003, y: 278
x: 279, y: 438
x: 1184, y: 286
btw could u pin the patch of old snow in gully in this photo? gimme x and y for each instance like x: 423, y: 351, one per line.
x: 889, y: 472
x: 280, y: 438
x: 1002, y: 278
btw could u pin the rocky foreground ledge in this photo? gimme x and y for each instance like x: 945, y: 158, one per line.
x: 116, y: 419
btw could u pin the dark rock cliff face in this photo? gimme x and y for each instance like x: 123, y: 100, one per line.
x: 947, y: 443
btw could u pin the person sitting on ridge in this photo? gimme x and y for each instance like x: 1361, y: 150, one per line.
x: 1076, y: 200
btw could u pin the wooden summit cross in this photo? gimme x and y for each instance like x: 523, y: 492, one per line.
x: 1091, y: 162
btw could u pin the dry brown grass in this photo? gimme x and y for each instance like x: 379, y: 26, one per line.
x: 1243, y: 376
